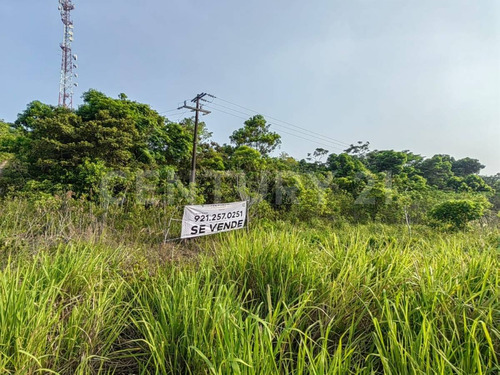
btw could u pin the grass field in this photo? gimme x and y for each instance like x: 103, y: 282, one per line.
x: 85, y: 293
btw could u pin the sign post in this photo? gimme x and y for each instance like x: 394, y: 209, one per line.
x: 202, y: 220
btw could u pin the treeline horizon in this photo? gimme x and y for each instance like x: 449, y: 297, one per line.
x: 51, y: 151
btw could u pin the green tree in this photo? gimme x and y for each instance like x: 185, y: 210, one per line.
x: 477, y: 184
x: 318, y: 154
x: 360, y: 150
x: 376, y: 197
x: 466, y: 166
x: 411, y: 158
x: 155, y: 139
x: 247, y: 158
x: 470, y: 183
x: 113, y: 134
x: 52, y: 153
x: 458, y: 184
x: 386, y: 161
x: 283, y: 162
x: 436, y: 170
x: 350, y: 174
x: 344, y: 165
x: 209, y: 158
x: 256, y: 134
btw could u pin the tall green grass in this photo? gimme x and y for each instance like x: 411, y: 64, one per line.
x: 63, y: 310
x: 83, y: 294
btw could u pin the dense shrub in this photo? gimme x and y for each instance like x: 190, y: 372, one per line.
x: 457, y: 213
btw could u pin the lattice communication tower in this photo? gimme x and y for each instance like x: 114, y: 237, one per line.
x: 68, y: 63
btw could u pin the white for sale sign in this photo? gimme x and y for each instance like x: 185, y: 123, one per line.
x: 208, y: 219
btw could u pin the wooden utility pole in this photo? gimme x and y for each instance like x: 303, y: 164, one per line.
x: 197, y: 109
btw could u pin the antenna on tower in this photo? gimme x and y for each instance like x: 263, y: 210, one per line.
x: 68, y: 58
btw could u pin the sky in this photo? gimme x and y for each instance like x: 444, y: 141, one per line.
x: 422, y: 75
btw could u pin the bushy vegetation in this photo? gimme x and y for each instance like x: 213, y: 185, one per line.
x: 85, y: 292
x: 457, y: 213
x: 118, y: 149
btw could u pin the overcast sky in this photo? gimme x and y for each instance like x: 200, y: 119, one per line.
x: 422, y: 75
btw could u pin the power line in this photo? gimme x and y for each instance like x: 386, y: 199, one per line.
x: 173, y: 115
x: 170, y: 110
x: 272, y: 124
x: 341, y: 143
x: 324, y: 139
x: 321, y: 141
x: 318, y: 138
x: 313, y: 141
x: 180, y: 115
